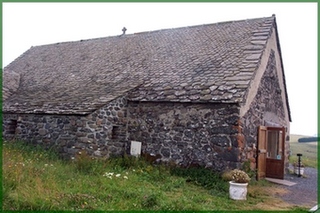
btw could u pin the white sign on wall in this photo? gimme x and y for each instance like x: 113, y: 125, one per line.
x: 135, y: 148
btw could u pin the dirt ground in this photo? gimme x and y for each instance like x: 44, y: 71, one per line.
x: 304, y: 193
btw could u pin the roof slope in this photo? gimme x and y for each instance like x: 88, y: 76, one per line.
x: 206, y: 63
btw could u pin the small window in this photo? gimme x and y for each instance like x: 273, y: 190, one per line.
x: 274, y: 144
x: 115, y: 132
x: 12, y: 126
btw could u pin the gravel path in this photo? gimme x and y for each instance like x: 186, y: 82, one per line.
x: 304, y: 193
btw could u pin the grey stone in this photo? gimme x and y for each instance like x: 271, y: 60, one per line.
x: 253, y: 56
x: 180, y: 92
x: 42, y: 131
x: 262, y: 42
x: 212, y: 88
x: 165, y: 152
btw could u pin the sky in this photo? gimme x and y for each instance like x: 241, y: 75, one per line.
x: 32, y: 24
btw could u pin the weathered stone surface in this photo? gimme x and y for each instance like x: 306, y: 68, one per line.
x: 259, y: 37
x: 12, y: 81
x: 90, y: 133
x: 188, y: 134
x: 268, y: 99
x: 180, y: 92
x: 80, y: 77
x: 253, y: 56
x: 261, y: 42
x: 253, y: 47
x: 222, y: 141
x: 212, y: 88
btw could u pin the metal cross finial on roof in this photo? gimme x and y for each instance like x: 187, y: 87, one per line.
x: 124, y: 30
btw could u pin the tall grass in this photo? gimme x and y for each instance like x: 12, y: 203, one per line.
x: 309, y: 151
x: 34, y: 179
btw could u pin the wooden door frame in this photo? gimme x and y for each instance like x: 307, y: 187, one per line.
x: 262, y: 154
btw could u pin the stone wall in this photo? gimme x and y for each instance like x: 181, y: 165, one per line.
x: 206, y: 134
x: 265, y: 110
x: 187, y: 133
x: 99, y: 133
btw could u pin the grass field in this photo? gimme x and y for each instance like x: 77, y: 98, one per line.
x: 309, y: 151
x: 34, y: 179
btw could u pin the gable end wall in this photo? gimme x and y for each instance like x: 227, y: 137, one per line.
x: 267, y: 109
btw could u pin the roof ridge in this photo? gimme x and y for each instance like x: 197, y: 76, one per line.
x: 201, y: 25
x: 152, y: 31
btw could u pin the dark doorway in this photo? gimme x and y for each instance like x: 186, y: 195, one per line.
x: 12, y: 126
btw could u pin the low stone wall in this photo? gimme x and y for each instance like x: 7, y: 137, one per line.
x: 186, y: 133
x: 70, y: 134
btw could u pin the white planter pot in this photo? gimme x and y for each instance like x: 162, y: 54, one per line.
x: 296, y: 170
x: 238, y: 191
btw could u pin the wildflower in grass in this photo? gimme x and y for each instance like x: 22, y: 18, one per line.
x: 19, y: 164
x: 125, y: 177
x: 108, y: 175
x: 45, y: 165
x: 118, y: 175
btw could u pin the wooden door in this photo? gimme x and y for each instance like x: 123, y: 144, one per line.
x: 270, y: 152
x: 275, y: 152
x: 262, y: 152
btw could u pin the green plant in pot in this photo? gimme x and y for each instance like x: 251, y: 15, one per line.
x: 239, y: 176
x: 238, y: 184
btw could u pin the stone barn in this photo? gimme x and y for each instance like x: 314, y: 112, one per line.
x: 213, y: 95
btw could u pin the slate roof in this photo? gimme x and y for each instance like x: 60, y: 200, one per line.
x: 205, y: 63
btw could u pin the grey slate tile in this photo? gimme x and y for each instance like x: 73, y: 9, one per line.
x: 188, y: 64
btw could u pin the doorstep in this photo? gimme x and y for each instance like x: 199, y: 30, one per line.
x: 281, y: 181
